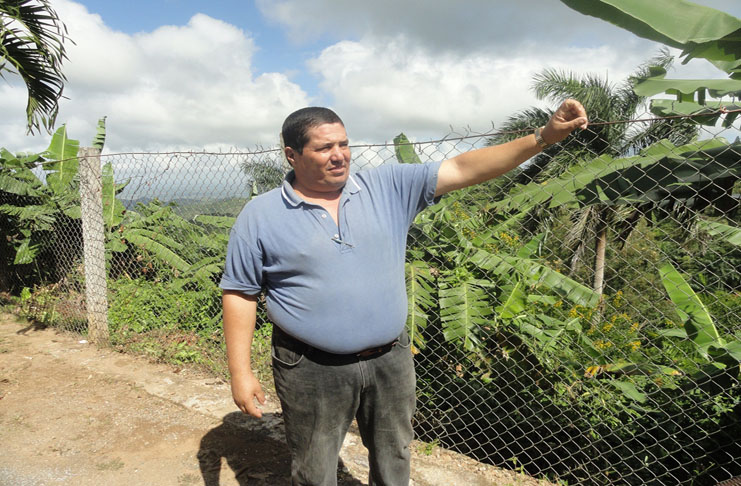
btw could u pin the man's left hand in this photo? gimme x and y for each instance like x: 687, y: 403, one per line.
x: 569, y: 116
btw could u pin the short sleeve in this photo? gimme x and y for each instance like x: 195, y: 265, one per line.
x: 416, y: 185
x: 244, y: 266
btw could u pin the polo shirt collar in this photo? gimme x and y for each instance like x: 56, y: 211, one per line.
x: 290, y: 196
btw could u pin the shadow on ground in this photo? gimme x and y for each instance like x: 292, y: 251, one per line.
x: 249, y: 447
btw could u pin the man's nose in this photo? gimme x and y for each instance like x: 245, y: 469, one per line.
x: 337, y: 153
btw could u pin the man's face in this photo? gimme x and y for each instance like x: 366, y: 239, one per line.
x: 324, y: 165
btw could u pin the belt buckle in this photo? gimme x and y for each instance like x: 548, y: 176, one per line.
x: 375, y: 351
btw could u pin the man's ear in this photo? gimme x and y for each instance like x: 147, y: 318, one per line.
x: 290, y: 155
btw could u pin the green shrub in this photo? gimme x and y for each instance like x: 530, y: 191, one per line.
x: 141, y: 305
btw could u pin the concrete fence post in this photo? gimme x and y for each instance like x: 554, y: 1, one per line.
x: 93, y: 236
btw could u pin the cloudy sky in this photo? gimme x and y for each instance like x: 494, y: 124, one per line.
x: 223, y: 74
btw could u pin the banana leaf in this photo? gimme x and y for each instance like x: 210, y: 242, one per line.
x: 656, y: 84
x: 629, y: 390
x: 731, y: 234
x: 699, y: 31
x: 113, y: 208
x: 115, y: 243
x: 99, y: 139
x: 203, y: 272
x: 26, y: 252
x: 694, y: 315
x: 420, y: 293
x: 64, y: 168
x: 464, y: 308
x: 536, y: 273
x: 514, y: 301
x: 707, y: 113
x: 662, y: 172
x: 16, y: 176
x: 404, y: 150
x: 22, y: 182
x: 646, y: 369
x: 531, y: 247
x: 41, y: 217
x: 158, y: 245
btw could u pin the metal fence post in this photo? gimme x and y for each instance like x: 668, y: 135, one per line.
x: 91, y: 202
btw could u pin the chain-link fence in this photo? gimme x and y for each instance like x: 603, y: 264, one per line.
x: 577, y: 319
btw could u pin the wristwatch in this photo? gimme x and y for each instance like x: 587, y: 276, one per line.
x: 539, y: 138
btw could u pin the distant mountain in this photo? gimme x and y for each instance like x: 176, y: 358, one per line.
x: 188, y: 208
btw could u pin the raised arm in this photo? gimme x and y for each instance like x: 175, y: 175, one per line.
x: 480, y: 165
x: 240, y: 317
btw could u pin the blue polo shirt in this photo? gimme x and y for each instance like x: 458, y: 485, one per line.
x: 338, y: 287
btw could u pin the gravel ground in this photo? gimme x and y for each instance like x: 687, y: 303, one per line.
x: 74, y: 414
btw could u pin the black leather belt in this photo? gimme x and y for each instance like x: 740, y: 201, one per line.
x: 308, y: 350
x: 369, y: 353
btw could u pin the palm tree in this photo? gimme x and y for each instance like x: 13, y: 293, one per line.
x: 609, y: 107
x: 32, y: 45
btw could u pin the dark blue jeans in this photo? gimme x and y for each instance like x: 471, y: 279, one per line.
x: 321, y: 394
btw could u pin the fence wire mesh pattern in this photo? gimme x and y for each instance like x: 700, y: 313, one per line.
x: 576, y: 319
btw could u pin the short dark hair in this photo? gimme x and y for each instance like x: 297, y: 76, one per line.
x: 298, y: 124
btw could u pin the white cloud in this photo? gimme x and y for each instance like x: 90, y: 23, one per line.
x: 473, y: 25
x: 189, y: 87
x: 381, y: 89
x: 423, y: 69
x: 487, y: 26
x: 417, y: 67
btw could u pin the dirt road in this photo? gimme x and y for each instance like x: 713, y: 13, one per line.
x: 74, y: 414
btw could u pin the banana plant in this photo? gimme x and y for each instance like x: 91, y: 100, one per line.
x: 698, y: 326
x: 660, y: 179
x: 718, y: 355
x: 464, y: 290
x: 455, y: 271
x: 700, y: 32
x: 660, y: 174
x: 37, y: 208
x: 144, y: 229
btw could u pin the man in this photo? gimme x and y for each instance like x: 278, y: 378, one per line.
x: 328, y: 250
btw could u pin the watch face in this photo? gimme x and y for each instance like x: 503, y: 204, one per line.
x: 539, y: 138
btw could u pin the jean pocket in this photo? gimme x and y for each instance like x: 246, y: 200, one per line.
x: 287, y: 351
x: 404, y: 340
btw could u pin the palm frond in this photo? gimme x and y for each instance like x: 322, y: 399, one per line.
x: 420, y: 299
x: 32, y: 45
x: 464, y: 308
x: 594, y: 92
x: 534, y: 272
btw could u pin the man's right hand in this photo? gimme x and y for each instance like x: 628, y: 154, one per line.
x: 244, y: 391
x: 240, y: 316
